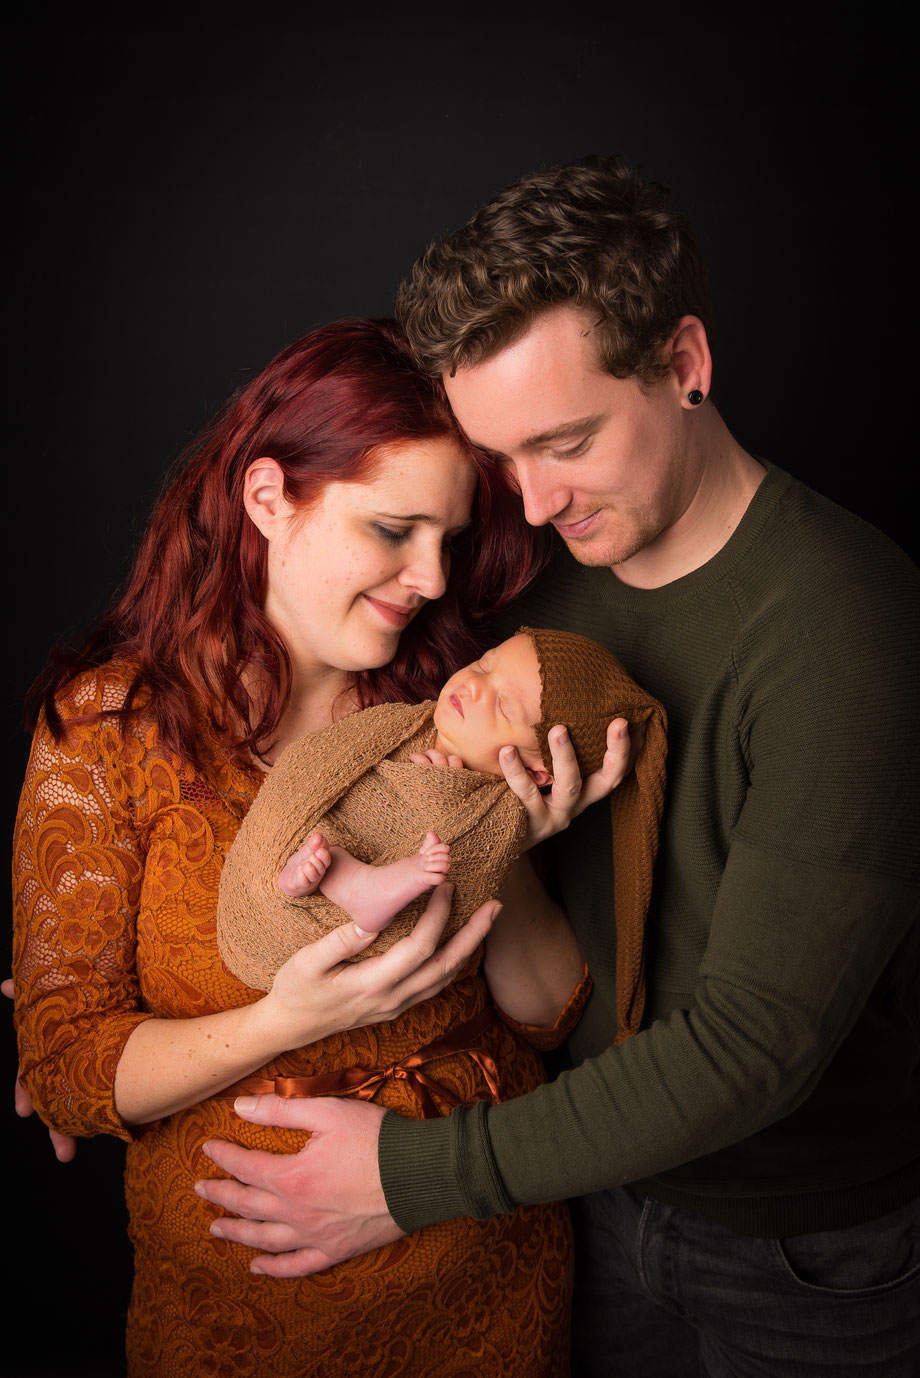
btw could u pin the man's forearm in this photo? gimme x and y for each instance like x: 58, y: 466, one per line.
x: 768, y: 1015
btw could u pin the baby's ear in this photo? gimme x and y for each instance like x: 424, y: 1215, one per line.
x: 540, y: 777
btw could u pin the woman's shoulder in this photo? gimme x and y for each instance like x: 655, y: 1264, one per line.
x: 100, y: 719
x: 98, y: 691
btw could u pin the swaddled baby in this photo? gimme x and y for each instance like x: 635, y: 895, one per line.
x: 394, y: 798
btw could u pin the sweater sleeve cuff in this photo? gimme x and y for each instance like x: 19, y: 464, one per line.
x: 427, y: 1168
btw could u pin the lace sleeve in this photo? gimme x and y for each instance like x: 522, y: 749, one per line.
x: 77, y: 869
x: 546, y: 1038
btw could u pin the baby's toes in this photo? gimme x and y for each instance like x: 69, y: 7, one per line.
x: 438, y: 859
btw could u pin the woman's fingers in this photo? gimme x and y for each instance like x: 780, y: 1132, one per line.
x: 65, y: 1147
x: 623, y: 748
x: 413, y: 969
x: 546, y: 814
x: 570, y: 795
x: 22, y: 1101
x: 416, y: 968
x: 446, y: 963
x: 566, y: 789
x: 334, y: 950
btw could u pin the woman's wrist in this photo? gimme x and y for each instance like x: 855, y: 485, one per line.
x: 275, y: 1027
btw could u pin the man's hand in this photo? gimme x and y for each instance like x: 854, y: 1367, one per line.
x: 308, y: 1210
x: 548, y: 814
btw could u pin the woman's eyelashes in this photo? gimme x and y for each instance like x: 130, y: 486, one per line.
x: 398, y: 535
x: 393, y: 535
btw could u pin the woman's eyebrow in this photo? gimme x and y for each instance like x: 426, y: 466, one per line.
x: 420, y: 517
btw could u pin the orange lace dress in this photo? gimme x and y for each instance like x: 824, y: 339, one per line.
x: 118, y: 850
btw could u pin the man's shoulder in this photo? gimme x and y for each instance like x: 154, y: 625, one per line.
x: 815, y: 527
x: 811, y: 558
x: 796, y: 557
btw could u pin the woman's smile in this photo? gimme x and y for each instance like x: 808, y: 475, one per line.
x: 397, y: 614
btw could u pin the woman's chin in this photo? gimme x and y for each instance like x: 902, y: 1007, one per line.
x: 373, y: 653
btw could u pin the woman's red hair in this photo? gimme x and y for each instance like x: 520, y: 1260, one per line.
x: 190, y: 618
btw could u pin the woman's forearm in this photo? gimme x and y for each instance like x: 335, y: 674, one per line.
x: 170, y: 1064
x: 532, y: 962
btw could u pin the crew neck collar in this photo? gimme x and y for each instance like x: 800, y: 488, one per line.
x: 769, y: 493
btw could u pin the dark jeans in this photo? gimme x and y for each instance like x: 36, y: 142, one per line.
x: 663, y: 1293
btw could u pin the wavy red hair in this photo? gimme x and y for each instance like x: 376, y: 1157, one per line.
x: 190, y: 617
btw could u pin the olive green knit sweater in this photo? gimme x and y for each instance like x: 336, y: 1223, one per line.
x: 774, y: 1085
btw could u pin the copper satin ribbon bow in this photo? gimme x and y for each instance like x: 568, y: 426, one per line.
x: 365, y: 1082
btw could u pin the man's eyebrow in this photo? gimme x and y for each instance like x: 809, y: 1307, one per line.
x: 565, y: 431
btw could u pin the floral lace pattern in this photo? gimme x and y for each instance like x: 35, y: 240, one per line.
x: 117, y: 856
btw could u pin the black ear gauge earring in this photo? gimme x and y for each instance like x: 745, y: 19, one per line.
x: 695, y: 397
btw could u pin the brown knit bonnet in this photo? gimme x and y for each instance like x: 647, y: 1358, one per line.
x: 581, y: 685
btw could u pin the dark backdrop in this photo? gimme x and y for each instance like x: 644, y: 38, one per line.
x: 188, y: 200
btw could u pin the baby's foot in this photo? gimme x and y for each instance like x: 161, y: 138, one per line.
x: 303, y: 872
x: 434, y: 856
x: 373, y: 895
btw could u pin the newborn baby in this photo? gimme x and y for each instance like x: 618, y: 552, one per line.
x: 392, y: 797
x: 490, y: 704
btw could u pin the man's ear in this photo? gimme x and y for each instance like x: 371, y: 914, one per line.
x: 263, y: 495
x: 691, y: 361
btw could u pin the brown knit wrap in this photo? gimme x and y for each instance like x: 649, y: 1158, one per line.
x: 343, y: 782
x: 585, y: 687
x: 340, y: 781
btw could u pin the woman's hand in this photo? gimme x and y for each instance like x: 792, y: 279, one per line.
x: 548, y: 814
x: 317, y: 988
x: 65, y: 1147
x: 169, y: 1064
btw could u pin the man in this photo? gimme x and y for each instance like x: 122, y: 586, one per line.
x: 766, y: 1116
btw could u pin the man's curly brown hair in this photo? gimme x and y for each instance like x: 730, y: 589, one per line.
x: 594, y: 234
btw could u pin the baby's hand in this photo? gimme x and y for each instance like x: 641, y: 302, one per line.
x: 435, y: 758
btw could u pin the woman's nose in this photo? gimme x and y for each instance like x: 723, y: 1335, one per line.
x: 427, y: 573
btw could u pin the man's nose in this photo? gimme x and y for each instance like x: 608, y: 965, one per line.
x: 543, y: 497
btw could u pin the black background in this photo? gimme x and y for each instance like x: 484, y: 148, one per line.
x: 185, y: 201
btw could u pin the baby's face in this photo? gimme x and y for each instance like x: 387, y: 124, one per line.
x: 490, y: 704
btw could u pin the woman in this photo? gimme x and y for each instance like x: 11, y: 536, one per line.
x: 287, y: 578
